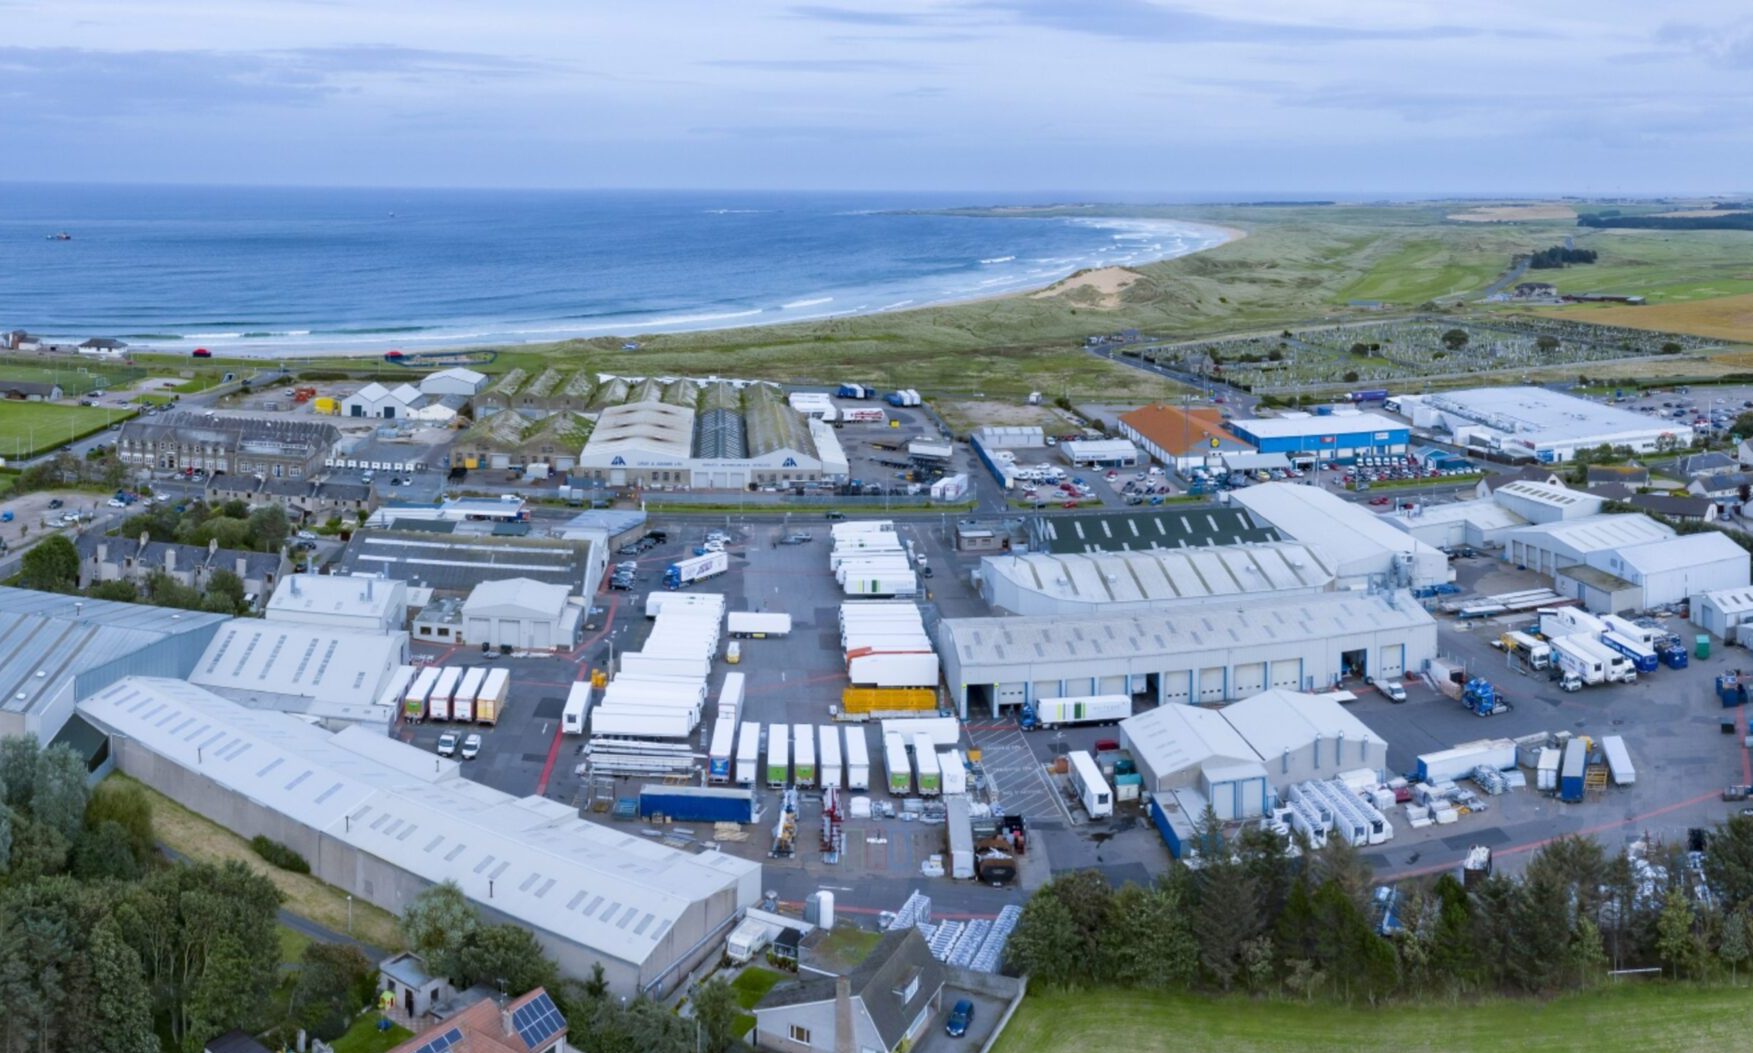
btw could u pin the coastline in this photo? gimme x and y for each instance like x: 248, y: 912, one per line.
x: 1212, y: 235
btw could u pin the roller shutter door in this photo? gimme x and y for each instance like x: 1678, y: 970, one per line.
x: 1392, y: 662
x: 1008, y: 694
x: 1177, y: 686
x: 1288, y: 674
x: 1250, y: 679
x: 1046, y: 689
x: 1111, y: 685
x: 1211, y: 685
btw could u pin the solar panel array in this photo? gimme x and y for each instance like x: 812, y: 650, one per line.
x: 451, y: 1038
x: 537, y: 1021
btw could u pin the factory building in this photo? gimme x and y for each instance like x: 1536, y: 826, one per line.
x: 56, y: 650
x: 1673, y: 571
x: 341, y: 601
x: 1154, y: 528
x: 454, y: 381
x: 376, y: 400
x: 1721, y: 612
x: 1045, y: 583
x: 443, y: 558
x: 382, y: 820
x: 521, y: 614
x: 1235, y: 758
x: 1448, y: 526
x: 744, y: 436
x: 1099, y: 453
x: 1179, y: 436
x: 334, y: 674
x: 1205, y: 653
x: 1550, y: 547
x: 1307, y: 438
x: 1360, y: 546
x: 1547, y: 426
x: 1613, y: 563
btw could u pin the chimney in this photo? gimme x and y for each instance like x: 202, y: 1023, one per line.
x: 242, y: 566
x: 103, y: 552
x: 843, y: 1038
x: 505, y: 1022
x: 170, y: 559
x: 144, y: 538
x: 212, y: 546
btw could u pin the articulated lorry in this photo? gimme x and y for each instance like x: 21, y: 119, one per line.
x: 758, y: 624
x: 1093, y: 709
x: 694, y: 570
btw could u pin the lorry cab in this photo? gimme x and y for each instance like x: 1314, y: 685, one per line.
x: 733, y: 652
x: 1570, y: 682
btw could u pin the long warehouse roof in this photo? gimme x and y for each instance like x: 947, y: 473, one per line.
x: 294, y: 658
x: 1311, y: 514
x: 609, y: 890
x: 1156, y: 528
x: 1166, y: 574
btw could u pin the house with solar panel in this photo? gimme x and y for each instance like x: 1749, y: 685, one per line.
x: 530, y: 1024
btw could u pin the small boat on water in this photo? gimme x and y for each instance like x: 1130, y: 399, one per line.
x: 59, y: 235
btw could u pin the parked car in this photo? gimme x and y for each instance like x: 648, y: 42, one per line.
x: 471, y: 747
x: 960, y: 1018
x: 447, y: 744
x: 55, y: 502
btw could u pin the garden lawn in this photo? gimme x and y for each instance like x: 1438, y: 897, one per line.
x: 364, y: 1037
x: 1634, y: 1018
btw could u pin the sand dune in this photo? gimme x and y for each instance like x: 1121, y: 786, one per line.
x: 1107, y: 283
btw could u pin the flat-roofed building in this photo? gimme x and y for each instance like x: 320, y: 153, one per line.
x: 1308, y: 438
x: 329, y: 673
x: 1042, y: 583
x: 1359, y: 545
x: 1538, y: 423
x: 351, y: 601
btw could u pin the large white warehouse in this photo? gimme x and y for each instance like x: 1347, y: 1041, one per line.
x: 1204, y: 653
x: 1043, y: 583
x: 383, y: 820
x: 1548, y: 426
x: 1360, y: 546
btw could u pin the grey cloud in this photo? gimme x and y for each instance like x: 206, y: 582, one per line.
x: 856, y: 17
x: 1144, y: 20
x: 798, y: 132
x: 401, y: 61
x: 816, y: 65
x: 1729, y: 46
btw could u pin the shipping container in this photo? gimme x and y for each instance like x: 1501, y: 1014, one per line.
x: 758, y: 624
x: 828, y: 757
x: 638, y: 686
x: 944, y: 731
x: 730, y: 696
x: 577, y: 712
x: 898, y: 766
x: 803, y: 749
x: 1618, y: 760
x: 414, y: 703
x: 859, y: 702
x: 495, y: 691
x: 1455, y: 763
x: 438, y: 704
x: 748, y: 752
x: 722, y: 752
x: 892, y: 670
x: 641, y: 724
x: 960, y: 830
x: 953, y: 772
x: 1092, y: 790
x: 1546, y: 771
x: 1571, y: 771
x: 778, y: 756
x: 927, y: 777
x: 904, y: 583
x: 663, y: 665
x: 697, y: 804
x: 857, y: 760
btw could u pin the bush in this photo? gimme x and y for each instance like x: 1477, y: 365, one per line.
x: 279, y: 855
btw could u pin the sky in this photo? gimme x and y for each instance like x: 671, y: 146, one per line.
x: 1012, y: 97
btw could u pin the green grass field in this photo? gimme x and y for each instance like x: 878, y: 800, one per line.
x: 1635, y: 1018
x: 28, y: 428
x: 74, y: 380
x: 364, y: 1037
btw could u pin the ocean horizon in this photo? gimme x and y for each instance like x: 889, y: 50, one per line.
x: 298, y: 272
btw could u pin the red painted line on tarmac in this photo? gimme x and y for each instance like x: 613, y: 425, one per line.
x: 1586, y: 831
x: 583, y: 673
x: 1746, y: 754
x: 553, y: 756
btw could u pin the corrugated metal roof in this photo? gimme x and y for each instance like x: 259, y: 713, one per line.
x: 263, y: 658
x: 1687, y: 550
x: 1597, y: 533
x: 1173, y: 738
x: 1166, y: 574
x: 1156, y: 528
x: 1327, y: 521
x: 603, y: 888
x: 1278, y: 720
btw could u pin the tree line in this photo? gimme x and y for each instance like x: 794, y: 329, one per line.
x: 1725, y: 221
x: 1558, y: 256
x: 1257, y: 915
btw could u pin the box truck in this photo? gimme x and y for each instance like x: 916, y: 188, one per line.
x: 895, y: 762
x: 721, y: 755
x: 640, y: 724
x: 828, y: 757
x: 758, y: 624
x: 803, y: 749
x: 1092, y: 790
x: 1536, y: 653
x: 730, y: 696
x: 495, y: 691
x: 1092, y: 709
x: 697, y: 804
x: 778, y: 756
x: 1618, y: 760
x: 1618, y: 668
x: 438, y: 703
x: 577, y: 711
x: 414, y: 703
x: 696, y: 569
x: 912, y: 669
x: 959, y: 827
x: 928, y: 778
x: 1575, y: 660
x: 748, y: 752
x: 857, y: 760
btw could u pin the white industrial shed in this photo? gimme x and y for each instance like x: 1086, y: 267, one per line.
x: 1545, y: 503
x: 333, y: 674
x: 375, y: 400
x: 1360, y: 545
x: 1720, y: 611
x: 1301, y: 737
x: 1477, y: 523
x: 1043, y: 583
x: 521, y: 613
x: 1204, y: 653
x: 453, y: 381
x: 1678, y: 568
x: 383, y: 820
x: 1099, y: 452
x: 1549, y: 547
x: 1189, y: 747
x: 1548, y: 426
x: 343, y: 601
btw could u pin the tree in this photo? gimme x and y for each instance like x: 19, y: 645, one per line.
x: 1728, y: 862
x: 438, y: 923
x: 1351, y: 376
x: 715, y: 1007
x: 162, y: 590
x: 5, y: 840
x: 126, y: 805
x: 268, y: 528
x: 506, y: 957
x: 122, y: 1008
x: 225, y: 592
x: 1455, y: 339
x: 105, y: 852
x: 1146, y: 939
x: 51, y: 566
x: 334, y: 982
x: 1733, y: 947
x: 224, y: 993
x: 58, y: 801
x: 1546, y: 343
x: 1669, y: 347
x: 1360, y: 350
x: 119, y: 591
x: 18, y: 770
x: 1037, y: 945
x: 1675, y: 942
x: 38, y: 850
x: 1225, y: 919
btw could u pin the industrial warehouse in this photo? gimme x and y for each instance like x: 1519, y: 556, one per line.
x: 1308, y: 439
x: 1361, y: 547
x: 1203, y: 654
x: 1075, y: 584
x: 743, y: 435
x: 1548, y: 426
x: 382, y: 820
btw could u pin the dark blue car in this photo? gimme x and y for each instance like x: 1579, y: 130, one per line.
x: 961, y: 1015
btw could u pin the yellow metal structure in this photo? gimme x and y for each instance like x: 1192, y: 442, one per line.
x: 888, y: 699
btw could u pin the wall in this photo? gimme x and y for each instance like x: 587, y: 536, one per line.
x: 773, y: 1026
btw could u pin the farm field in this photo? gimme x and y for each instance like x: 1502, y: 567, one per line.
x: 1723, y: 317
x: 29, y: 428
x: 1660, y: 265
x: 1632, y: 1019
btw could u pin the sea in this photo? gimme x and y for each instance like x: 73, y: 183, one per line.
x: 293, y: 271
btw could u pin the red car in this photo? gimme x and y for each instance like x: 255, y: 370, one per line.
x: 1380, y: 500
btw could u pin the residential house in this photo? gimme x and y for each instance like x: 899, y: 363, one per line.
x: 30, y: 390
x: 19, y: 340
x: 103, y: 347
x: 530, y: 1024
x: 1612, y: 491
x: 104, y: 558
x: 1744, y: 453
x: 1705, y: 464
x: 1693, y: 509
x: 1721, y: 486
x: 1535, y: 290
x: 1495, y: 481
x: 273, y: 449
x: 237, y: 1040
x: 886, y: 1001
